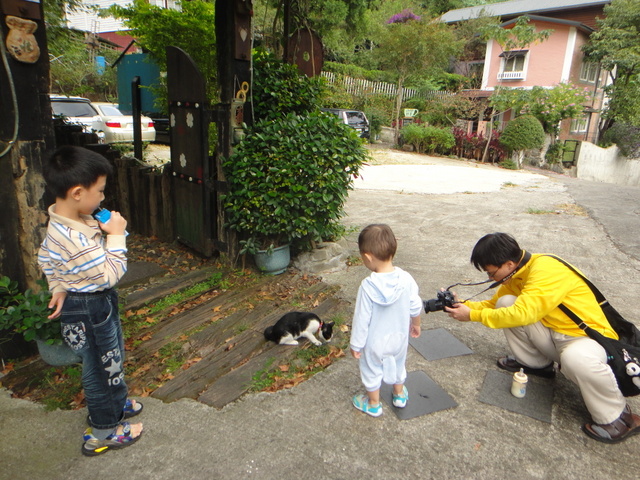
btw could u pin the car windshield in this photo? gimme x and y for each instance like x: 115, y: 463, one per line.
x: 355, y: 117
x: 110, y: 110
x: 73, y: 109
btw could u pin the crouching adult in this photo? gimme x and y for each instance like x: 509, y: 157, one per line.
x: 539, y: 334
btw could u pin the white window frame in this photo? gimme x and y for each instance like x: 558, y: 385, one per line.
x: 517, y: 74
x: 589, y: 72
x: 580, y: 124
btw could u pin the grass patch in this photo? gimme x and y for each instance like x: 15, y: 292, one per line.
x: 536, y: 211
x: 182, y: 295
x: 171, y: 356
x: 509, y: 184
x: 62, y: 386
x: 265, y: 378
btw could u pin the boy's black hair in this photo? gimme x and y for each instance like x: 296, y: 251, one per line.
x: 70, y: 166
x: 379, y: 241
x: 495, y: 249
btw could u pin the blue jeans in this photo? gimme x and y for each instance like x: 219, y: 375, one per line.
x: 91, y: 327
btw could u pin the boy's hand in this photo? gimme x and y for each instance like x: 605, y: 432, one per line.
x: 57, y: 300
x: 355, y: 354
x: 115, y: 226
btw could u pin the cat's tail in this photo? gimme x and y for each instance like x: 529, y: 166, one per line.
x: 268, y: 334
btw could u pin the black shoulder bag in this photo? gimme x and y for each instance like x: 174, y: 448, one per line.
x: 623, y: 355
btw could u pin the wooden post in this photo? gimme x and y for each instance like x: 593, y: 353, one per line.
x: 233, y: 31
x: 26, y: 138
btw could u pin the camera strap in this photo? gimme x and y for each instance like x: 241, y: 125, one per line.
x: 526, y: 256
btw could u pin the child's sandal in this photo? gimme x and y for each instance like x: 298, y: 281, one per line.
x: 92, y: 446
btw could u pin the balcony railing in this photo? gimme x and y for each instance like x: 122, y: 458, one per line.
x: 511, y: 76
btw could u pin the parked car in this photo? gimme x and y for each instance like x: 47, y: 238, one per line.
x: 105, y: 119
x: 119, y: 127
x: 161, y: 124
x: 354, y: 118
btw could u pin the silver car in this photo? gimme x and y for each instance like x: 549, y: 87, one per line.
x: 104, y: 119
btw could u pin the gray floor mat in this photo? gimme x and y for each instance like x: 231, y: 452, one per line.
x: 425, y: 396
x: 537, y: 403
x: 438, y: 343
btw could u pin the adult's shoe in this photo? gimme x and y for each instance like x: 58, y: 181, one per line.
x: 510, y: 364
x: 623, y: 427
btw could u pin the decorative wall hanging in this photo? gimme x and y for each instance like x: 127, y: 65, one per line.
x: 21, y: 43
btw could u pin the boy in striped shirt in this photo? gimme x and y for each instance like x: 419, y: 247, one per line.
x: 82, y: 267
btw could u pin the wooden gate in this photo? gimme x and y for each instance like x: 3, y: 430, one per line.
x: 193, y: 187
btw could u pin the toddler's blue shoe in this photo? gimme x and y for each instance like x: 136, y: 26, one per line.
x: 401, y: 400
x: 361, y: 402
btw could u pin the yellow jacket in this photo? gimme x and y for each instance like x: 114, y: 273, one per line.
x: 541, y: 285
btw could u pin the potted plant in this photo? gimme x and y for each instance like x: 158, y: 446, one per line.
x: 26, y: 313
x: 288, y: 181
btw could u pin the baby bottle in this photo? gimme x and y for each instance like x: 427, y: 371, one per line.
x: 519, y: 384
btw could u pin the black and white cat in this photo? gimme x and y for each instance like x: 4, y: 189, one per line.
x: 295, y: 325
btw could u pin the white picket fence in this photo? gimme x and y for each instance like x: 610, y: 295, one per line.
x: 359, y: 86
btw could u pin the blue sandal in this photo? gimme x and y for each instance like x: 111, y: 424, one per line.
x: 400, y: 401
x: 92, y: 446
x: 130, y: 410
x: 361, y: 402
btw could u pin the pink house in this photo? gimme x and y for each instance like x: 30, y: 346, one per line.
x: 559, y: 59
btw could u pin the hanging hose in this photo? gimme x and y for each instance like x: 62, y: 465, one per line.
x: 14, y: 98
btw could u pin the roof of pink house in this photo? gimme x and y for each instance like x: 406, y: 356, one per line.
x: 519, y: 7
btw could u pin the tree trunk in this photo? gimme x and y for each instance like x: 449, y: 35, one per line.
x: 489, y: 133
x: 399, y: 95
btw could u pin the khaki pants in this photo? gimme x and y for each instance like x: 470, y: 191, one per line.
x: 582, y: 360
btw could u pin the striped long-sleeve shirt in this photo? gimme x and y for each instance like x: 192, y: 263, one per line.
x: 75, y: 256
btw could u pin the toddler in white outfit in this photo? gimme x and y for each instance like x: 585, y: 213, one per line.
x: 387, y: 311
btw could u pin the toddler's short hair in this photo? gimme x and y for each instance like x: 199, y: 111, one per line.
x: 69, y: 166
x: 378, y: 240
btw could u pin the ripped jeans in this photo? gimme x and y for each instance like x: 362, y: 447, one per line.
x: 91, y: 326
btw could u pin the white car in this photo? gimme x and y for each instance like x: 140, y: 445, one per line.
x: 119, y: 127
x: 105, y: 119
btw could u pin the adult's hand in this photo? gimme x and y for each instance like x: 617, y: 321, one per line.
x: 459, y: 311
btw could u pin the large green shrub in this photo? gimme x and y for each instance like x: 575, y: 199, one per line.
x: 523, y: 133
x: 288, y: 180
x: 425, y: 138
x: 278, y: 89
x: 625, y: 136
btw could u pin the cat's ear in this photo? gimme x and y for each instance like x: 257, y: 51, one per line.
x: 330, y: 324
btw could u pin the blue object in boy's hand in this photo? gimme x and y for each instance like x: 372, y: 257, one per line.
x: 103, y: 215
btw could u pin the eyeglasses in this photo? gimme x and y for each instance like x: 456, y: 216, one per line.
x: 493, y: 274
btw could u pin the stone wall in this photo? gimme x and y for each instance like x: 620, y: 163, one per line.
x: 606, y: 165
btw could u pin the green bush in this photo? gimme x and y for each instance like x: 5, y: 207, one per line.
x: 289, y: 178
x: 554, y: 153
x: 278, y: 88
x: 27, y: 312
x: 523, y: 133
x: 625, y: 136
x: 428, y: 139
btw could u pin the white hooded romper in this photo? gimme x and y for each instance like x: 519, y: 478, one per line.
x: 381, y: 321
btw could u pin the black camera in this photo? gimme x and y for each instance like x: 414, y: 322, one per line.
x: 443, y: 299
